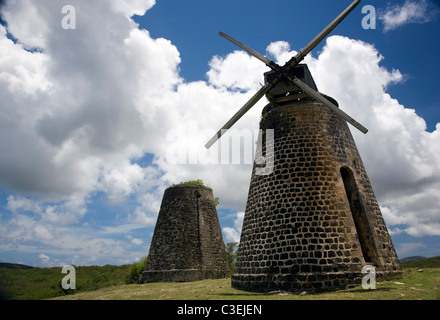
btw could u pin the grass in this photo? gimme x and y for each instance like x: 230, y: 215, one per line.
x: 419, y: 281
x: 413, y: 285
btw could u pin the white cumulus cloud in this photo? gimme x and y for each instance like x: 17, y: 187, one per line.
x: 44, y: 257
x: 233, y: 234
x: 395, y: 16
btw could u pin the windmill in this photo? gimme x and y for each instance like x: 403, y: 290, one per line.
x: 314, y: 222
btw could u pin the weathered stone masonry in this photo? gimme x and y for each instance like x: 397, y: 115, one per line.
x: 314, y: 222
x: 187, y: 244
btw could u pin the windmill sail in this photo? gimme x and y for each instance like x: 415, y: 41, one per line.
x: 283, y: 73
x: 239, y: 114
x: 334, y: 108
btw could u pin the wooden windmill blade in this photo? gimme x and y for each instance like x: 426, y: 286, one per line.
x: 252, y: 52
x: 260, y: 93
x: 335, y: 109
x: 324, y: 33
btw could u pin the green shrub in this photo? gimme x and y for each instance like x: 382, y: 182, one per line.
x: 198, y: 182
x: 135, y: 273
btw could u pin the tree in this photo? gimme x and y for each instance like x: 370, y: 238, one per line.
x: 231, y: 255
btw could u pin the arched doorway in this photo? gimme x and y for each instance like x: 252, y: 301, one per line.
x: 359, y: 217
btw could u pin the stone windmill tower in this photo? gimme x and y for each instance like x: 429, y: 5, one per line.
x: 312, y: 222
x: 187, y: 243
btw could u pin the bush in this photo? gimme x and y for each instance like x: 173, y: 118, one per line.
x: 198, y: 182
x: 135, y: 273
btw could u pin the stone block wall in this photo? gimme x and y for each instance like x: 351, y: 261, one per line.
x: 187, y: 244
x: 314, y: 222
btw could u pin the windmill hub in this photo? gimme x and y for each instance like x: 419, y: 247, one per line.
x: 285, y: 91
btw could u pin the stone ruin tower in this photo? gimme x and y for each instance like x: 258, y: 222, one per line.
x: 187, y: 243
x: 313, y: 222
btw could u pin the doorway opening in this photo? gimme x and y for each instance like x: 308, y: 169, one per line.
x: 359, y: 217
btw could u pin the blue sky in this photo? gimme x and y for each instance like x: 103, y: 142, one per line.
x: 89, y: 116
x: 409, y: 48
